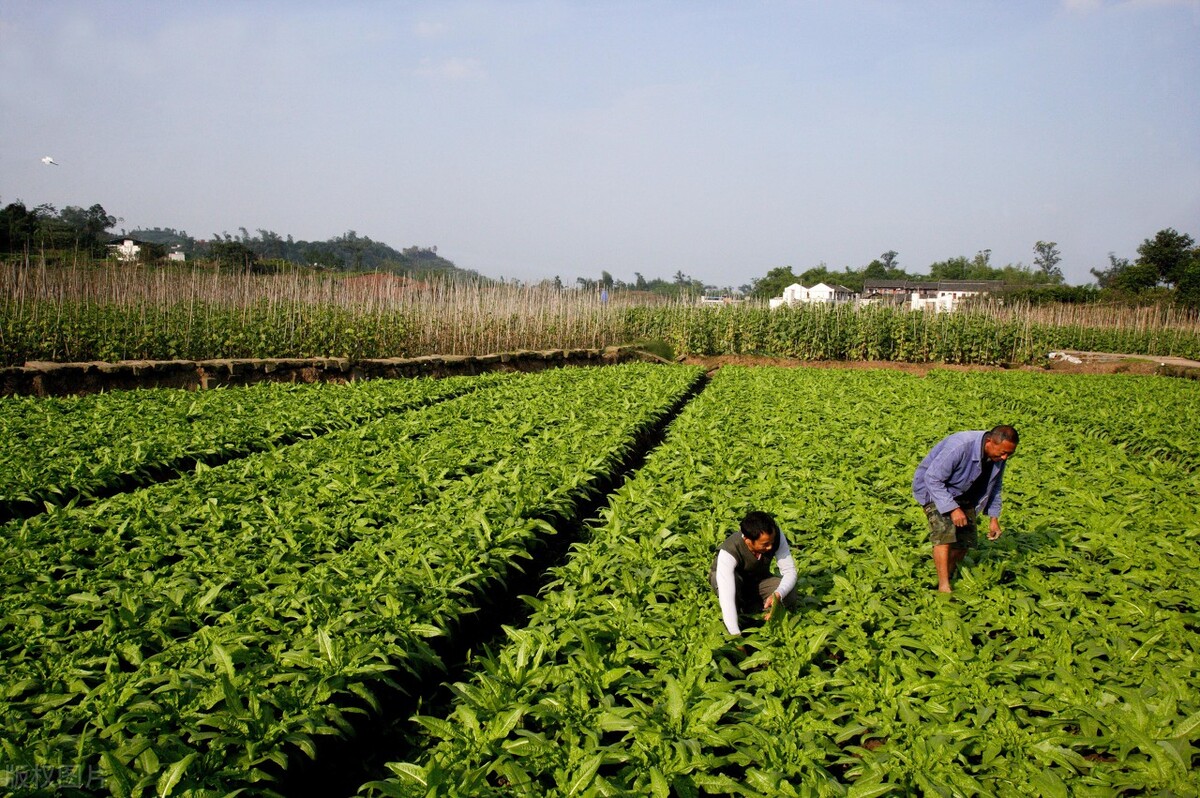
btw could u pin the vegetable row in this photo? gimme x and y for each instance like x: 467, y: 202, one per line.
x: 61, y: 448
x: 1068, y: 654
x: 200, y: 635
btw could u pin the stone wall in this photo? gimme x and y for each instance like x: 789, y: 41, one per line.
x: 58, y: 379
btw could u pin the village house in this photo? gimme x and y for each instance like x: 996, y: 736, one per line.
x: 939, y: 295
x: 125, y: 248
x: 128, y: 249
x: 796, y: 294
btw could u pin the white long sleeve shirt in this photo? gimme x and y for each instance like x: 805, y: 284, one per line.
x: 727, y: 583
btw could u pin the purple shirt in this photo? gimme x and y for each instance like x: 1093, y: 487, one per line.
x: 950, y: 468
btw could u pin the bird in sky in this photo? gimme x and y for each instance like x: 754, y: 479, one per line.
x: 49, y: 161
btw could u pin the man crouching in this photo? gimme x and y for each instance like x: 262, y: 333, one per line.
x: 741, y: 570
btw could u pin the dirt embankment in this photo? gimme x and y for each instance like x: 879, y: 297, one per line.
x: 1072, y: 363
x: 54, y: 379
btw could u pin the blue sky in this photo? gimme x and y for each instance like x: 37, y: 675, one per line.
x: 533, y: 139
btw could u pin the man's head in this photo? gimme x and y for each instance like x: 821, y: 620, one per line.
x: 1000, y: 442
x: 759, y: 530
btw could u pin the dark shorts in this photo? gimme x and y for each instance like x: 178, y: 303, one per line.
x: 943, y: 531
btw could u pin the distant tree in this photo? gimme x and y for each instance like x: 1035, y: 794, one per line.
x: 1187, y: 290
x: 1046, y: 293
x: 981, y: 266
x: 1169, y: 254
x: 1020, y: 274
x: 606, y: 280
x: 269, y: 245
x: 1124, y: 277
x: 321, y: 255
x: 951, y: 269
x: 18, y: 225
x: 773, y: 282
x: 234, y: 254
x: 1047, y: 258
x: 85, y: 228
x: 875, y: 270
x: 1105, y: 277
x: 817, y: 274
x: 149, y: 252
x: 886, y: 267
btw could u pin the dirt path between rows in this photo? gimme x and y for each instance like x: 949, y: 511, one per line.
x: 1071, y: 363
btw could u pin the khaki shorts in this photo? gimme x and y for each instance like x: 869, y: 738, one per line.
x: 942, y: 530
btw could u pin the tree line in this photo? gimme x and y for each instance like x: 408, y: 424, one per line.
x: 83, y: 230
x: 75, y: 231
x: 1167, y: 268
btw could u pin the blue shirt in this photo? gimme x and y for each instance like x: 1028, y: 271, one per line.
x: 950, y: 468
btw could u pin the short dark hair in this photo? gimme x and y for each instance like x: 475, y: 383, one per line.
x: 757, y: 522
x: 1004, y: 434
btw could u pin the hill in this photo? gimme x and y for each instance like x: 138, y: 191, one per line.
x: 348, y: 252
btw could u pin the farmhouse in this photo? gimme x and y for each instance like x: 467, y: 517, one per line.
x: 718, y: 300
x: 129, y: 249
x: 939, y: 295
x: 125, y: 248
x: 821, y: 292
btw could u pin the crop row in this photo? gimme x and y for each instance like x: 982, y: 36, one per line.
x: 199, y: 634
x: 843, y: 332
x: 1143, y: 417
x: 260, y: 322
x: 1068, y: 654
x: 62, y: 448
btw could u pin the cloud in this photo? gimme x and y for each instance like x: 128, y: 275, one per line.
x: 429, y: 30
x: 450, y: 68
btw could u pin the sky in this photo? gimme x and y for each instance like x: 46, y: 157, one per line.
x: 528, y: 140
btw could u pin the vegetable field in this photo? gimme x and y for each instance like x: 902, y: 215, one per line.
x: 202, y: 634
x: 77, y: 447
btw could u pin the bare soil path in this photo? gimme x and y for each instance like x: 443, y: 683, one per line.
x: 1087, y: 363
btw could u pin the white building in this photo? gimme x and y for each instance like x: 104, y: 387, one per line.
x: 792, y: 295
x: 940, y: 296
x: 822, y: 292
x: 796, y: 294
x: 125, y: 249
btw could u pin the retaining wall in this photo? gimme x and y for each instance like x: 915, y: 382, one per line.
x: 58, y: 379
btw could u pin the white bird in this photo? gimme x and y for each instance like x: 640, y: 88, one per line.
x: 49, y: 161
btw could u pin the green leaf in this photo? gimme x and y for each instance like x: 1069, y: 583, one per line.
x: 870, y: 788
x: 1050, y: 785
x: 224, y: 661
x: 171, y: 776
x: 585, y: 776
x: 408, y: 770
x: 1188, y: 727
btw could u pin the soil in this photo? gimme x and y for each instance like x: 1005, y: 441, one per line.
x: 1090, y: 363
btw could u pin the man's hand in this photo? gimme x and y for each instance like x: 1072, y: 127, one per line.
x: 994, y: 529
x: 958, y: 517
x: 769, y: 605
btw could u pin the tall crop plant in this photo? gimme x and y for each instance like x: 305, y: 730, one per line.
x: 110, y: 312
